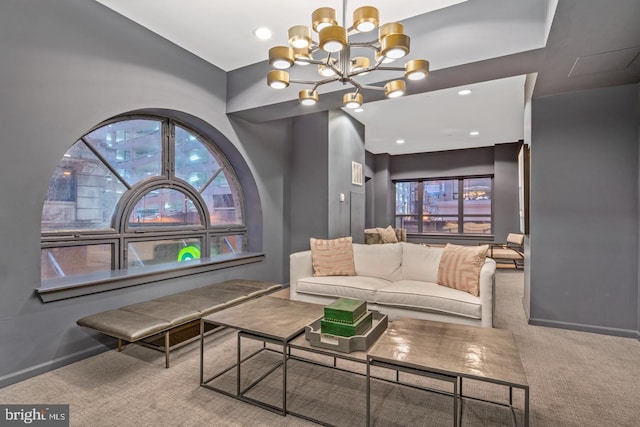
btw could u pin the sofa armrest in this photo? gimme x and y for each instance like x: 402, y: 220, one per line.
x: 299, y: 266
x: 487, y: 292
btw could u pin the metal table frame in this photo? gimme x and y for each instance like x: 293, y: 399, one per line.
x: 269, y: 320
x: 240, y: 393
x: 361, y: 357
x: 457, y: 409
x: 496, y: 343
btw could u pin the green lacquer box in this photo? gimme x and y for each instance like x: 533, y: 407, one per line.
x: 345, y: 310
x: 360, y: 327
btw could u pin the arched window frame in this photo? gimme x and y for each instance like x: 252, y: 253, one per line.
x: 121, y: 235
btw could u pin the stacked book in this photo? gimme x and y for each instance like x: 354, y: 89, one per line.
x: 346, y: 317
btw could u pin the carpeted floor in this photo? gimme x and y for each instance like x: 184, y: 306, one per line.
x: 576, y: 379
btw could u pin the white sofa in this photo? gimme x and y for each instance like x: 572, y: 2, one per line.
x: 400, y: 280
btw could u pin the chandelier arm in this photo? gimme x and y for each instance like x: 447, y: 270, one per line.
x: 373, y: 44
x: 370, y: 87
x: 315, y: 83
x: 310, y: 61
x: 336, y: 70
x: 374, y: 67
x: 391, y: 68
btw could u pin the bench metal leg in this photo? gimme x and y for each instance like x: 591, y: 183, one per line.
x: 166, y: 348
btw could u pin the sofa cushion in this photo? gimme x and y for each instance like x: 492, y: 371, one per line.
x: 332, y: 257
x: 420, y: 262
x: 381, y: 261
x: 428, y: 296
x: 388, y: 234
x: 359, y: 287
x: 176, y: 314
x: 460, y: 267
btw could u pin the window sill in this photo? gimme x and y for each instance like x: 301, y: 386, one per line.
x: 71, y: 287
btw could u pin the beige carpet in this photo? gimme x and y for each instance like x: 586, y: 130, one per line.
x: 576, y: 379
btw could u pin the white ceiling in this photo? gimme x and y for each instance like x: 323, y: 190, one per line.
x: 442, y: 119
x: 431, y: 121
x: 222, y: 32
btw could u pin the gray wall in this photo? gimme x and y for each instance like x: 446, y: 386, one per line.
x: 309, y: 180
x: 500, y: 161
x: 323, y: 147
x: 68, y: 65
x: 346, y: 145
x: 584, y: 211
x: 505, y: 190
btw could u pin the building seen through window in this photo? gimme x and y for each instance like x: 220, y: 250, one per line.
x: 140, y: 192
x: 436, y: 206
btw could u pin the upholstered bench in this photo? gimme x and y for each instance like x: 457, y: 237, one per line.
x: 154, y: 323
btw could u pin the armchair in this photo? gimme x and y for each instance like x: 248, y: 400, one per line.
x: 512, y: 250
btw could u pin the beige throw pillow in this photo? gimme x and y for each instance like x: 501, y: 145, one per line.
x: 332, y: 257
x: 388, y: 234
x: 460, y: 267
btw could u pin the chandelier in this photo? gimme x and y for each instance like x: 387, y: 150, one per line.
x: 332, y: 55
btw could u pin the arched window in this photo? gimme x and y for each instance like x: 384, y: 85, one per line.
x: 139, y: 194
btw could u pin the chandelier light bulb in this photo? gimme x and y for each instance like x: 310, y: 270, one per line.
x: 299, y: 36
x: 325, y: 70
x: 308, y: 97
x: 333, y: 38
x: 395, y: 88
x: 385, y: 60
x: 395, y: 46
x: 322, y: 18
x: 365, y: 18
x: 360, y: 63
x: 302, y: 56
x: 281, y: 57
x: 390, y: 28
x: 416, y: 69
x: 278, y: 79
x: 352, y: 100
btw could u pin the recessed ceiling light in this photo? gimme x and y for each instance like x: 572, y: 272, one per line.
x: 263, y: 33
x: 400, y: 141
x: 464, y: 92
x: 474, y: 133
x: 358, y: 110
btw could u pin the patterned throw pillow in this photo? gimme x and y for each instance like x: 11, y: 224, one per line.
x: 460, y: 267
x: 388, y: 234
x: 332, y: 257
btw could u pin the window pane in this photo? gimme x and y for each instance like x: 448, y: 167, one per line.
x: 408, y: 222
x: 132, y: 147
x: 82, y: 194
x: 164, y: 207
x: 75, y: 260
x: 194, y: 162
x: 223, y: 200
x: 406, y: 198
x: 440, y: 198
x: 477, y: 225
x: 156, y: 252
x: 227, y: 245
x: 477, y: 196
